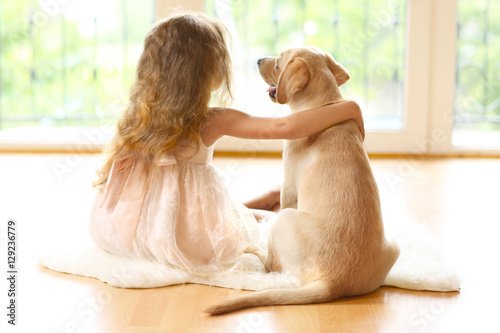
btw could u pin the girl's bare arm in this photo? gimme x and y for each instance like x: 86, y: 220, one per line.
x: 294, y: 126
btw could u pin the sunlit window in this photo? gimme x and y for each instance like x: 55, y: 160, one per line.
x: 67, y: 64
x: 477, y: 96
x: 367, y: 37
x: 66, y: 67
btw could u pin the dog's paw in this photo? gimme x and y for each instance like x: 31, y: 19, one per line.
x: 257, y: 251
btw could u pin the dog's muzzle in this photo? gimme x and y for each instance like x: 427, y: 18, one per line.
x: 272, y: 92
x: 272, y: 89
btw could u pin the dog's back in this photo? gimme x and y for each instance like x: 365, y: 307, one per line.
x: 338, y: 190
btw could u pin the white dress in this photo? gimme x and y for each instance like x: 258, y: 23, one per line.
x: 183, y: 217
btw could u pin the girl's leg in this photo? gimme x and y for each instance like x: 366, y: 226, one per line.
x: 269, y: 201
x: 261, y: 214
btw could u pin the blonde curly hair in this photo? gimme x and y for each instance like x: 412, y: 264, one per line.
x: 185, y: 58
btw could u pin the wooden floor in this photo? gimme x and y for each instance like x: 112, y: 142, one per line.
x: 458, y: 199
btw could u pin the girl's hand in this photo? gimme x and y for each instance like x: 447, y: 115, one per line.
x: 359, y: 121
x: 352, y: 111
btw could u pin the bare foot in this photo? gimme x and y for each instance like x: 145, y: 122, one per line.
x: 270, y: 200
x: 260, y: 214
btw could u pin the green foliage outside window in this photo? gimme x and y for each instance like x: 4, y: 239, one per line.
x: 72, y: 62
x: 477, y: 100
x: 69, y: 62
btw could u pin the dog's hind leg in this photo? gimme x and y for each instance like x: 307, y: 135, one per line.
x: 272, y: 263
x: 257, y: 251
x: 286, y: 242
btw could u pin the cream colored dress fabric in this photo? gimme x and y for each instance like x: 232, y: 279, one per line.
x: 184, y: 217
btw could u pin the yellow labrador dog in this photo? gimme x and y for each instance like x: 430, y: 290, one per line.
x: 330, y: 233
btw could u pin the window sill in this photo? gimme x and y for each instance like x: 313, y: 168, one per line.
x: 93, y: 139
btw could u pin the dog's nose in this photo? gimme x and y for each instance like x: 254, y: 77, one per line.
x: 260, y: 61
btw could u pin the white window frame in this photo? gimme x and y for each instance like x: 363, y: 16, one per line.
x: 429, y: 83
x: 429, y: 89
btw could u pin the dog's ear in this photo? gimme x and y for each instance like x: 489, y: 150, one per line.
x: 293, y: 78
x: 341, y: 74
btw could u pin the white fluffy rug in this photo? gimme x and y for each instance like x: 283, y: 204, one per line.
x: 419, y: 267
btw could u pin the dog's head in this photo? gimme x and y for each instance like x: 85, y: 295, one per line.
x: 303, y: 73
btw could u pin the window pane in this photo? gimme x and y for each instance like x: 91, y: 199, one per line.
x: 367, y: 37
x: 67, y: 63
x: 477, y: 96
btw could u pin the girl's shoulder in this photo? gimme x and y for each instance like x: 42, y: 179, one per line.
x: 215, y: 127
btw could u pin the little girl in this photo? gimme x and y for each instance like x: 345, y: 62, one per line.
x: 159, y: 197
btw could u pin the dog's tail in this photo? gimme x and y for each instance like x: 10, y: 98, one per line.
x: 315, y: 292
